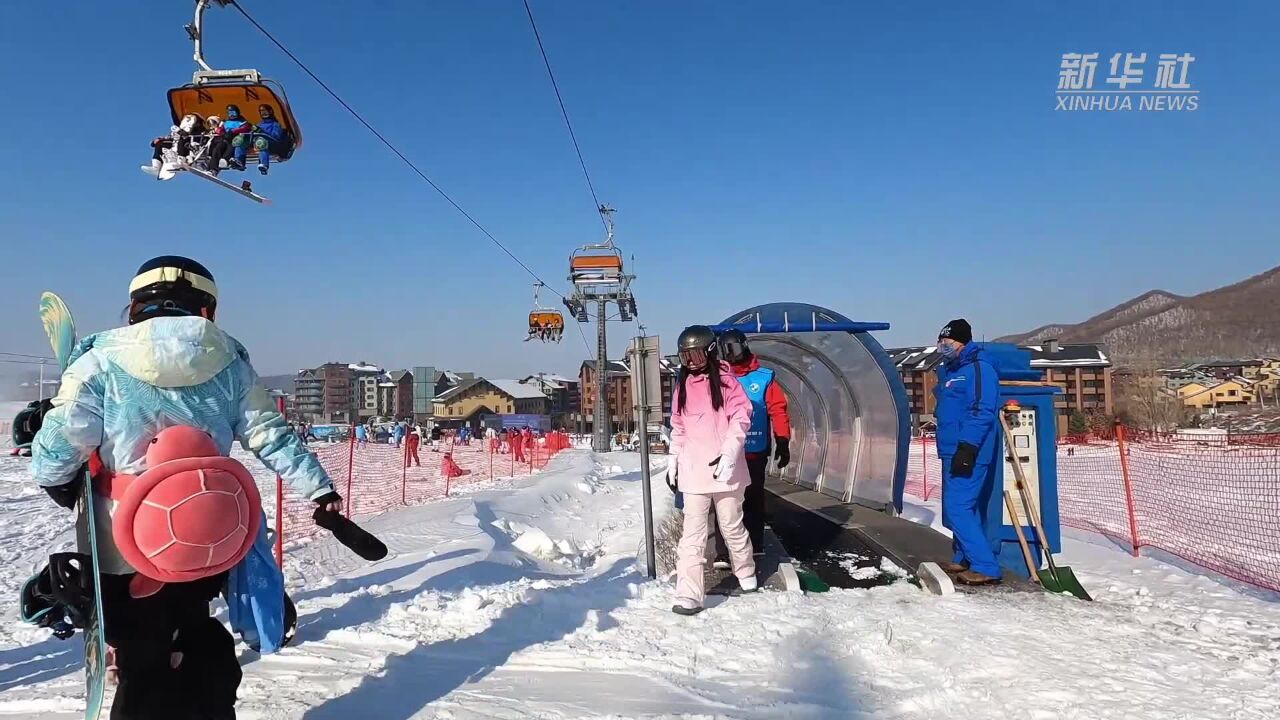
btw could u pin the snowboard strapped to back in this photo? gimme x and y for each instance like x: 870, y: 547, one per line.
x: 191, y: 514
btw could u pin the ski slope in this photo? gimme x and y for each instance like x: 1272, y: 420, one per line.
x: 522, y: 600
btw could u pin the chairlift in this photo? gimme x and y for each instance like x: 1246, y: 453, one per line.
x: 211, y: 91
x: 599, y: 264
x: 545, y: 324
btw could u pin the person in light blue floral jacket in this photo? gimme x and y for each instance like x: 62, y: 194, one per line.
x: 173, y: 366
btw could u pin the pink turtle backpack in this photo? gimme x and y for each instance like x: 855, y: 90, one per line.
x: 192, y: 514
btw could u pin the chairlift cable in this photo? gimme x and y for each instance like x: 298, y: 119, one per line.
x: 565, y: 113
x: 391, y: 146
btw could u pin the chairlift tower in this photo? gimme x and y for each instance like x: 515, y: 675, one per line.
x: 597, y: 274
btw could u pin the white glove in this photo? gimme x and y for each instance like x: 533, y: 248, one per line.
x: 725, y: 465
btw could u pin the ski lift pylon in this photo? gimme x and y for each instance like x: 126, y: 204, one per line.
x: 211, y: 91
x: 545, y: 324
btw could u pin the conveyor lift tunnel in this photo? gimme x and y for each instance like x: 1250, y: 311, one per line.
x: 849, y: 421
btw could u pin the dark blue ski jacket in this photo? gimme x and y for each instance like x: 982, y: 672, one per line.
x: 273, y: 130
x: 968, y: 398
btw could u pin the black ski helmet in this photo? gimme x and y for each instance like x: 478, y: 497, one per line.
x: 733, y: 346
x: 169, y: 286
x: 696, y: 342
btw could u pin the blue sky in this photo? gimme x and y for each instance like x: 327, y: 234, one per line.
x: 899, y: 162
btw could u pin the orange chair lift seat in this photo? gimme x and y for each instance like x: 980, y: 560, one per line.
x: 213, y: 99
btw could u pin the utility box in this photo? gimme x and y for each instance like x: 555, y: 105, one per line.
x: 1035, y: 444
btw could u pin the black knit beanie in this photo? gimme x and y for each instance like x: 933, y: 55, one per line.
x: 957, y: 330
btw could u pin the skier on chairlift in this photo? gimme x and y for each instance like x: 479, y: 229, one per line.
x: 238, y: 130
x: 171, y: 151
x: 269, y: 138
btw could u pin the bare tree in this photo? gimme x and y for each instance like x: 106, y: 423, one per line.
x: 1144, y: 400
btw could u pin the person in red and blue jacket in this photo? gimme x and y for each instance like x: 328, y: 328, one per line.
x: 968, y: 398
x: 770, y: 429
x: 238, y: 130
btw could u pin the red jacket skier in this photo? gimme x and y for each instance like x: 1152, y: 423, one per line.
x: 411, y: 447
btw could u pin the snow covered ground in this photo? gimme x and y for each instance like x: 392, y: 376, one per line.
x: 522, y: 600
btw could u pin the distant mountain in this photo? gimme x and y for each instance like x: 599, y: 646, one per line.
x: 1237, y: 321
x: 278, y: 382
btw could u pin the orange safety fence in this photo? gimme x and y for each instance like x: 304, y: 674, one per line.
x: 374, y: 477
x: 1214, y: 506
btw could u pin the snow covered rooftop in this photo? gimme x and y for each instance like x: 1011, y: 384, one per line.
x: 456, y: 389
x: 915, y: 358
x: 1073, y: 355
x: 517, y: 389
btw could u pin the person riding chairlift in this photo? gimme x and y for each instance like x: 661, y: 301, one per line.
x: 219, y: 152
x: 238, y: 130
x: 179, y: 145
x: 268, y: 137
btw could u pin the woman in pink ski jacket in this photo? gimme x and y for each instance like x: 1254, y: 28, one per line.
x: 710, y: 416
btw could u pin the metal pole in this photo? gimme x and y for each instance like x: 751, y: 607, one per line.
x: 280, y: 502
x: 603, y: 420
x: 642, y: 417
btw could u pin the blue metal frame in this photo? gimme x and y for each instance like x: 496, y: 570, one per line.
x: 789, y: 326
x: 1013, y: 363
x: 790, y: 317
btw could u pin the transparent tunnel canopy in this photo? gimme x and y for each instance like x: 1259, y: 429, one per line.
x: 848, y: 406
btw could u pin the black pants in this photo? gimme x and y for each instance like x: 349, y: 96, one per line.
x: 145, y: 633
x: 752, y: 507
x: 219, y: 149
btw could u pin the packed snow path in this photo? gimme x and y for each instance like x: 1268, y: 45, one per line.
x: 523, y: 601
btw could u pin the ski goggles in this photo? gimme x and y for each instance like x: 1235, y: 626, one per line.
x: 732, y: 349
x: 694, y: 358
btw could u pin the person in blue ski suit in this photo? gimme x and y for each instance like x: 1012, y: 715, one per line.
x: 968, y: 399
x: 269, y: 137
x: 173, y: 366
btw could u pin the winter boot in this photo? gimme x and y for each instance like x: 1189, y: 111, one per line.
x: 969, y: 577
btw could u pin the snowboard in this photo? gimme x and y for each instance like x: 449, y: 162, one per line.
x: 244, y: 188
x: 61, y: 329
